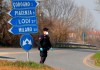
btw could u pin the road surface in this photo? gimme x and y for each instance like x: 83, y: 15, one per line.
x: 63, y: 59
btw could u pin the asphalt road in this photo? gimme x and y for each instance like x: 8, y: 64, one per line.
x: 63, y: 59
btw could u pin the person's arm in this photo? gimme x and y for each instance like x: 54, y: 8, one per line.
x: 49, y: 43
x: 40, y: 43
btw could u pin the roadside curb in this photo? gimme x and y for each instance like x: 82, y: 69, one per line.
x: 89, y: 62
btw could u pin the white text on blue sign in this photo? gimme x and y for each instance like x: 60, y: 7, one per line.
x: 24, y: 4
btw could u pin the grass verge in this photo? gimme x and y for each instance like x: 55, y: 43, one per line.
x: 19, y: 65
x: 96, y: 58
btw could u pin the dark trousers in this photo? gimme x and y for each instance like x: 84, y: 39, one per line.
x: 42, y: 60
x: 43, y: 56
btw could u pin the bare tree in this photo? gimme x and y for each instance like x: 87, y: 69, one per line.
x: 6, y: 37
x: 84, y: 21
x: 60, y: 14
x: 98, y: 5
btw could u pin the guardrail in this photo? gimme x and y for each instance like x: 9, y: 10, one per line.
x: 66, y: 44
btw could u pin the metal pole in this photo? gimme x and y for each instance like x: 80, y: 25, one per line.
x: 83, y: 37
x: 83, y: 40
x: 27, y: 56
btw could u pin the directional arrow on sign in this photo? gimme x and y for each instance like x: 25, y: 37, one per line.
x: 26, y: 42
x: 23, y: 4
x: 23, y: 30
x: 23, y: 13
x: 23, y: 21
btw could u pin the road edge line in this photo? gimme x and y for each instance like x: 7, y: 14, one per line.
x: 85, y: 61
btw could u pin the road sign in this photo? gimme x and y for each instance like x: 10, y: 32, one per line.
x: 23, y: 13
x: 26, y: 42
x: 23, y: 21
x: 23, y: 29
x: 83, y: 35
x: 24, y: 4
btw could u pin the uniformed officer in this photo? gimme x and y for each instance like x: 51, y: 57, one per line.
x: 45, y: 45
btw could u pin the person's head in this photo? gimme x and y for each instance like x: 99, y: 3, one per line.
x: 45, y: 31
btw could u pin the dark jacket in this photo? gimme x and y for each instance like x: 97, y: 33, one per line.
x: 44, y: 42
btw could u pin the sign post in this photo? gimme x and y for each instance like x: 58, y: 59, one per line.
x: 27, y: 56
x: 24, y: 21
x: 26, y: 42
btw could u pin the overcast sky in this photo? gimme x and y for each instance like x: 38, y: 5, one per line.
x: 91, y: 5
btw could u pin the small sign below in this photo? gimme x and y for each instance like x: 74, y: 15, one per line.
x: 26, y: 42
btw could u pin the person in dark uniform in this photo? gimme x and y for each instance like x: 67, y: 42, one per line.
x: 45, y: 45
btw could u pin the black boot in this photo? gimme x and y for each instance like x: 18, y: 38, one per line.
x: 42, y: 60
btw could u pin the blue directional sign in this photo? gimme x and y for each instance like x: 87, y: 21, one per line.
x: 84, y: 35
x: 23, y: 21
x: 23, y: 13
x: 23, y: 29
x: 24, y: 4
x: 26, y: 42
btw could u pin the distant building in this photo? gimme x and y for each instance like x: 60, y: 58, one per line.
x: 75, y: 36
x: 94, y: 34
